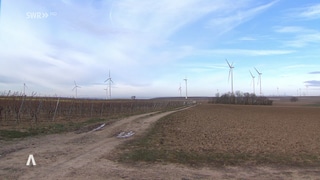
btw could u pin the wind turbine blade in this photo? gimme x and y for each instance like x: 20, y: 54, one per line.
x: 251, y: 74
x: 228, y: 63
x: 257, y: 71
x: 229, y: 75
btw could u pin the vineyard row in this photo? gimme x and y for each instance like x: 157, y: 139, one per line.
x: 21, y: 109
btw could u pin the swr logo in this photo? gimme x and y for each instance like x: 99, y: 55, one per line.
x: 37, y: 15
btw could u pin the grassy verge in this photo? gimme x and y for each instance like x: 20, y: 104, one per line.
x: 49, y: 129
x: 62, y: 127
x: 314, y: 104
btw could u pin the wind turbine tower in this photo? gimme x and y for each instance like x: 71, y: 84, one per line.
x: 109, y: 80
x: 76, y: 88
x: 186, y: 80
x: 180, y: 89
x: 24, y: 89
x: 254, y: 91
x: 259, y: 80
x: 230, y: 74
x: 106, y: 92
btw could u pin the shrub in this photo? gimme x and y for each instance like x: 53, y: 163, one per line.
x: 242, y: 98
x: 293, y: 99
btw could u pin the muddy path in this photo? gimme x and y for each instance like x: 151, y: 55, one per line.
x: 83, y: 156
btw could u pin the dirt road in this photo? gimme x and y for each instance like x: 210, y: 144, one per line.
x: 82, y: 156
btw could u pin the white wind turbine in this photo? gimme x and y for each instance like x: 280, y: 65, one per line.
x: 186, y: 80
x: 76, y: 88
x: 254, y: 91
x: 259, y: 80
x: 180, y: 89
x: 231, y: 74
x: 109, y: 80
x: 24, y: 89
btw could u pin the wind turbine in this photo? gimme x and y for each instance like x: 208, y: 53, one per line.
x: 259, y: 80
x: 254, y: 92
x: 24, y: 89
x: 186, y: 80
x: 180, y: 89
x: 109, y: 80
x: 231, y: 74
x: 76, y: 88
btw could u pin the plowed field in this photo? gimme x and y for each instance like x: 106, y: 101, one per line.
x: 208, y: 134
x: 234, y: 135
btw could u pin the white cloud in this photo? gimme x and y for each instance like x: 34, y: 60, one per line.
x: 301, y: 36
x: 247, y: 38
x: 304, y: 40
x: 305, y: 12
x: 236, y: 13
x: 311, y: 12
x: 292, y: 29
x: 246, y: 52
x: 136, y: 40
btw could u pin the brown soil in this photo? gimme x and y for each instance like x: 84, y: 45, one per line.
x: 243, y: 129
x: 82, y: 156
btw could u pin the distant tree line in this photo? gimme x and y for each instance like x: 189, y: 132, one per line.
x: 241, y: 98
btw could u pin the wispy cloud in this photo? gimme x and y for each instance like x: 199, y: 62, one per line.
x: 233, y: 17
x: 141, y: 42
x: 292, y: 29
x: 297, y: 66
x: 315, y: 83
x: 247, y: 38
x: 314, y: 72
x: 301, y: 36
x: 303, y: 40
x: 310, y: 12
x: 306, y: 12
x: 246, y: 52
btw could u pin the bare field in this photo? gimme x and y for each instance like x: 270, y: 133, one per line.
x: 234, y: 135
x: 240, y: 136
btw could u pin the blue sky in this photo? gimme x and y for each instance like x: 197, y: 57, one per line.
x: 150, y: 46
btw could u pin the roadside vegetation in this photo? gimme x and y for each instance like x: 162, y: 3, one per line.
x: 241, y: 98
x: 8, y: 134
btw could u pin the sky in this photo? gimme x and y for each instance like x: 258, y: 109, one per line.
x: 151, y: 46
